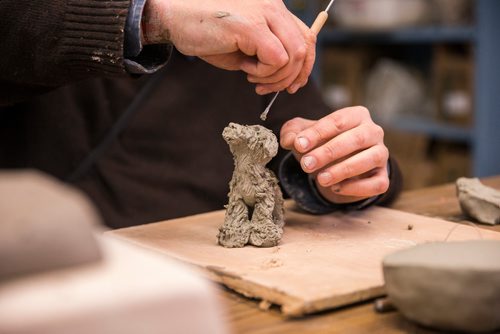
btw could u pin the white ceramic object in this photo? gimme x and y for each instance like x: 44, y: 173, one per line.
x: 130, y: 291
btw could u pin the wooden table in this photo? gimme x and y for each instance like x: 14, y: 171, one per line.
x: 244, y: 316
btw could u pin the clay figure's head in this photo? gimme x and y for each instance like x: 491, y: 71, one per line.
x: 256, y: 141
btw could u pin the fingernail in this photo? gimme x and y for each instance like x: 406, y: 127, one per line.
x: 303, y: 142
x: 324, y: 178
x: 309, y: 162
x: 293, y: 88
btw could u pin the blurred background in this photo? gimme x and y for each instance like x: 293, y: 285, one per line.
x: 428, y: 72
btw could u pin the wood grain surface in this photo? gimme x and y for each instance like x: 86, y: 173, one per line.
x: 323, y: 262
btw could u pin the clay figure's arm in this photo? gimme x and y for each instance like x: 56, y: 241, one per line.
x: 344, y: 156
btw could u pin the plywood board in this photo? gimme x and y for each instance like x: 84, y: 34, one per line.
x: 322, y: 262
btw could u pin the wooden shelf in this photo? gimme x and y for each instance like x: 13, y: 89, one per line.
x: 432, y: 34
x: 431, y: 128
x: 483, y: 136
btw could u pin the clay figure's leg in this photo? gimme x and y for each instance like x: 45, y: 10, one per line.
x: 265, y: 232
x: 235, y: 231
x: 279, y: 207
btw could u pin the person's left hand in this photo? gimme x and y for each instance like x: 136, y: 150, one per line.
x: 345, y: 152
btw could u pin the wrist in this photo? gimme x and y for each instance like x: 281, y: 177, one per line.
x: 153, y: 28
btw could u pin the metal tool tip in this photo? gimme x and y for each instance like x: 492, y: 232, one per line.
x: 329, y: 5
x: 263, y: 116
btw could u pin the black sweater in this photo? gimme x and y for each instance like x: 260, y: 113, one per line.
x: 169, y: 159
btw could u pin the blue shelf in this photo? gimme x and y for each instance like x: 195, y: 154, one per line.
x: 484, y: 135
x: 432, y: 128
x: 435, y: 34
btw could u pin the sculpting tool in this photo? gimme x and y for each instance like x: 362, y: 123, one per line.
x: 319, y: 22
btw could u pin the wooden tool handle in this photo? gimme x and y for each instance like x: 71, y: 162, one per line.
x: 319, y: 22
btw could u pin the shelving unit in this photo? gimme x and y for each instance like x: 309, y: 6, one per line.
x: 483, y: 136
x: 402, y: 36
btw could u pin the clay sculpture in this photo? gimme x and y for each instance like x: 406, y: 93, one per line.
x: 452, y: 286
x: 254, y: 213
x: 479, y: 201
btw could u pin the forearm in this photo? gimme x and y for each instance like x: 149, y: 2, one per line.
x: 46, y: 44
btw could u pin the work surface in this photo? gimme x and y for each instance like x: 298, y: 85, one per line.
x: 244, y: 314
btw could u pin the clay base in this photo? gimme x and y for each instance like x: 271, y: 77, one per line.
x: 448, y: 286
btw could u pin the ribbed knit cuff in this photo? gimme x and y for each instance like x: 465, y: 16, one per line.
x: 93, y: 37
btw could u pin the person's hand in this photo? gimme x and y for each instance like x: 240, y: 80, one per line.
x: 259, y: 37
x: 345, y: 152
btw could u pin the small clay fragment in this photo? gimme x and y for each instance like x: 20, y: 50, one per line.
x: 452, y: 286
x: 478, y: 201
x: 254, y: 214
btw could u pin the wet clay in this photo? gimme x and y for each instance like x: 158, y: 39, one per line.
x: 479, y: 201
x: 453, y: 286
x: 254, y: 213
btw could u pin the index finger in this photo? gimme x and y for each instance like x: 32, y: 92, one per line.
x: 291, y: 129
x: 329, y: 127
x: 270, y: 54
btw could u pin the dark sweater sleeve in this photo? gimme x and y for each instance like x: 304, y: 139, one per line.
x: 46, y: 44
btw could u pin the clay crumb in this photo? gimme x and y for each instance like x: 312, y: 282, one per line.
x: 272, y: 263
x: 221, y: 14
x: 264, y: 305
x: 410, y: 227
x: 383, y: 305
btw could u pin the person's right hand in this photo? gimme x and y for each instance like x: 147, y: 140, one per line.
x: 260, y: 37
x: 344, y: 151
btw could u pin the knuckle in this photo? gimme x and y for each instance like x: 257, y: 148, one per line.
x: 282, y: 59
x: 363, y: 111
x: 359, y: 139
x: 379, y: 131
x: 329, y: 152
x: 337, y: 122
x: 319, y: 133
x: 291, y: 123
x: 301, y: 52
x: 346, y: 170
x: 381, y: 185
x: 265, y: 71
x: 380, y: 156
